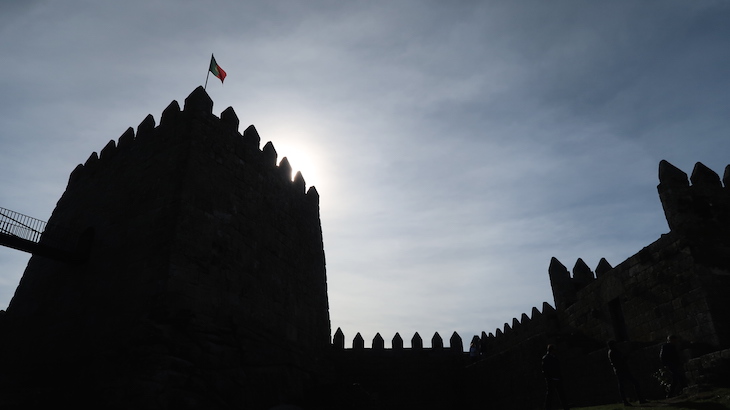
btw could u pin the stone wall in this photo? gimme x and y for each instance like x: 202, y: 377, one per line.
x: 676, y: 285
x: 712, y: 369
x: 205, y: 284
x: 660, y: 291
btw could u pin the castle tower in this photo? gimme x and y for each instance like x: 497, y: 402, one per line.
x: 205, y: 284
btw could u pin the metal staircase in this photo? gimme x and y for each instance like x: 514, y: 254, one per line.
x: 27, y: 234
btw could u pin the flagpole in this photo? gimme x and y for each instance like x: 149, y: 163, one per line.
x: 206, y: 80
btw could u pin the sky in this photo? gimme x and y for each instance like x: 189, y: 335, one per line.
x: 456, y: 146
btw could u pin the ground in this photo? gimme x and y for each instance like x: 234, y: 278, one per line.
x: 712, y: 399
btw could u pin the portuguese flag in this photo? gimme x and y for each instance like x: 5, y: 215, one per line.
x: 216, y: 69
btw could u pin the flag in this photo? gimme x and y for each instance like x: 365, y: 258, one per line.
x: 216, y: 69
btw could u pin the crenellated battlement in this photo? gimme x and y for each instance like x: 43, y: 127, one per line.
x: 699, y: 211
x: 539, y: 322
x: 456, y: 344
x: 172, y: 130
x: 565, y: 287
x: 665, y: 281
x: 698, y: 208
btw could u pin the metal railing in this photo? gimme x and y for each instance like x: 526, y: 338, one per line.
x: 32, y: 235
x: 21, y: 226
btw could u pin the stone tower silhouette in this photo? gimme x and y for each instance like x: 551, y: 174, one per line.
x: 205, y: 283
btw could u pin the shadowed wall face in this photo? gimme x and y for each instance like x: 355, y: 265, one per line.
x: 207, y: 265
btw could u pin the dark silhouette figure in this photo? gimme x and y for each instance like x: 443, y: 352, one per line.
x: 553, y: 379
x: 671, y: 360
x: 621, y: 369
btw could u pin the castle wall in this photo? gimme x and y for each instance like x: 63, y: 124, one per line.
x: 659, y: 291
x: 408, y: 375
x: 205, y: 283
x: 676, y: 285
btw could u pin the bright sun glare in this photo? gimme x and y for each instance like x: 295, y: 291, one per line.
x: 301, y: 159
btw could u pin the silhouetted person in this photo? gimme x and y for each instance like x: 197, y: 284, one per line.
x: 553, y: 379
x: 671, y: 360
x: 621, y: 369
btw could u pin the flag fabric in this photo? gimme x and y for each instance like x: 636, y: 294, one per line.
x: 216, y: 69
